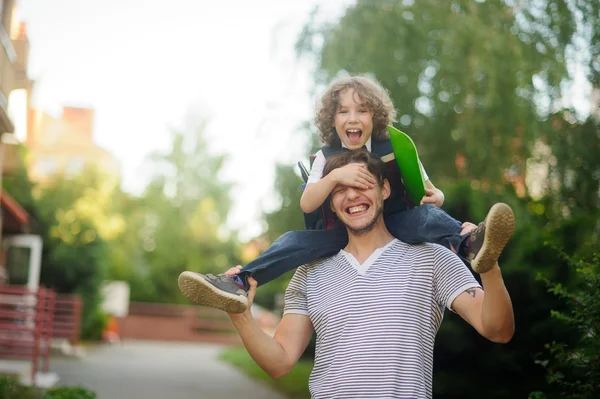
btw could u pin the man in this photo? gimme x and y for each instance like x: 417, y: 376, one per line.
x: 377, y: 305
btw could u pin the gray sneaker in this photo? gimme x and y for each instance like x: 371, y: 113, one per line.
x: 490, y: 237
x: 219, y: 291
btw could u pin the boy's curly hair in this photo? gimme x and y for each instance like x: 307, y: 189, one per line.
x: 376, y: 98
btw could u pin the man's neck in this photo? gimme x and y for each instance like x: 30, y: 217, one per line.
x: 362, y: 246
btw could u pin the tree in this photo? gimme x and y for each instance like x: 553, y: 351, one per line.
x: 480, y: 86
x: 573, y: 167
x: 575, y: 369
x: 178, y: 222
x: 18, y: 184
x: 288, y: 216
x: 75, y: 223
x: 473, y: 81
x: 73, y: 216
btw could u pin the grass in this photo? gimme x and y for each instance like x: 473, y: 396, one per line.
x: 295, y: 384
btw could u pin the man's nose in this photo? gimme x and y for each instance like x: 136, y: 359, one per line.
x: 352, y: 192
x: 353, y: 116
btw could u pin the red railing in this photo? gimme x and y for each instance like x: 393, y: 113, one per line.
x: 26, y: 319
x: 67, y: 317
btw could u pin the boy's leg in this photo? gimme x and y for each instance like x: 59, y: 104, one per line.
x: 293, y: 249
x: 481, y: 247
x: 440, y: 228
x: 426, y: 223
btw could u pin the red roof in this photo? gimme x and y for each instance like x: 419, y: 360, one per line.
x: 12, y: 206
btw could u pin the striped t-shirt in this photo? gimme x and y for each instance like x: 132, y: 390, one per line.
x: 376, y: 322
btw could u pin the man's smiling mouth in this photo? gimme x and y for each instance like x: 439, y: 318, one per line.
x: 357, y: 209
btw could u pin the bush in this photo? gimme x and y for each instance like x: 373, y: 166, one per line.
x: 573, y: 368
x: 69, y: 393
x: 10, y: 389
x: 94, y: 324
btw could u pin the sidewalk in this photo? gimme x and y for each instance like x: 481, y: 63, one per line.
x: 158, y: 370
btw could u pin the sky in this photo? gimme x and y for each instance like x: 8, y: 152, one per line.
x: 145, y: 65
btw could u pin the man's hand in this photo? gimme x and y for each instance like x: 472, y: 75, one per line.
x: 433, y: 196
x: 354, y: 175
x: 251, y: 293
x: 233, y: 271
x: 467, y: 227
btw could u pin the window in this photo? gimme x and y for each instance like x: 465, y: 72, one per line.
x: 17, y: 265
x: 46, y: 166
x: 75, y: 166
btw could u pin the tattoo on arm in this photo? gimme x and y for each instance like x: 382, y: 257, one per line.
x: 472, y: 292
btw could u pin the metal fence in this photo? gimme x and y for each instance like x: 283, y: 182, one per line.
x: 26, y: 320
x: 30, y: 320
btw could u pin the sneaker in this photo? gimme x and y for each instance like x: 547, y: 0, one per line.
x: 490, y: 237
x: 220, y: 291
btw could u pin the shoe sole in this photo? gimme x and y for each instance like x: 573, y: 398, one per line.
x: 499, y: 226
x: 200, y: 291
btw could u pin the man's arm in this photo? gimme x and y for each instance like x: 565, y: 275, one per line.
x: 276, y: 355
x: 489, y: 312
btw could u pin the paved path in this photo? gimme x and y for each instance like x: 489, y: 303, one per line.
x: 158, y: 370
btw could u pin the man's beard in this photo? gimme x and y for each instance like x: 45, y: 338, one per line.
x: 364, y: 230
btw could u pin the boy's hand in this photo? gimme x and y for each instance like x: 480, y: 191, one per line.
x: 233, y: 271
x: 433, y: 196
x: 354, y: 175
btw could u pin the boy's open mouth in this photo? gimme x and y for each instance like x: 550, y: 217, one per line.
x: 354, y: 135
x: 357, y: 209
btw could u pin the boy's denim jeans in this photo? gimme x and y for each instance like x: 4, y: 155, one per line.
x: 425, y: 223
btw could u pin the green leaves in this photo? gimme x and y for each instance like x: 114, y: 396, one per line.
x: 486, y: 91
x: 178, y: 223
x: 574, y: 370
x: 471, y: 80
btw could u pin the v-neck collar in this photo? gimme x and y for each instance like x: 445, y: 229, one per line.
x: 362, y: 269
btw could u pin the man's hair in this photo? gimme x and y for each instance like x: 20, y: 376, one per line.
x: 375, y: 165
x: 375, y: 96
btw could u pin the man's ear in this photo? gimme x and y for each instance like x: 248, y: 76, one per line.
x: 386, y: 190
x: 331, y: 207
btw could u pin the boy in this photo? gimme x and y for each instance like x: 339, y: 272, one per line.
x: 354, y: 113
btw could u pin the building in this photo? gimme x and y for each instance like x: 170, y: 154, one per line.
x: 65, y: 145
x: 20, y: 248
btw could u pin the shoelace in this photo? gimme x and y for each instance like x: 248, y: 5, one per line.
x: 221, y: 277
x: 241, y: 289
x: 475, y: 233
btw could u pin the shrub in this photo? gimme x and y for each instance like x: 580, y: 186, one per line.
x: 10, y: 389
x: 69, y: 393
x: 573, y: 369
